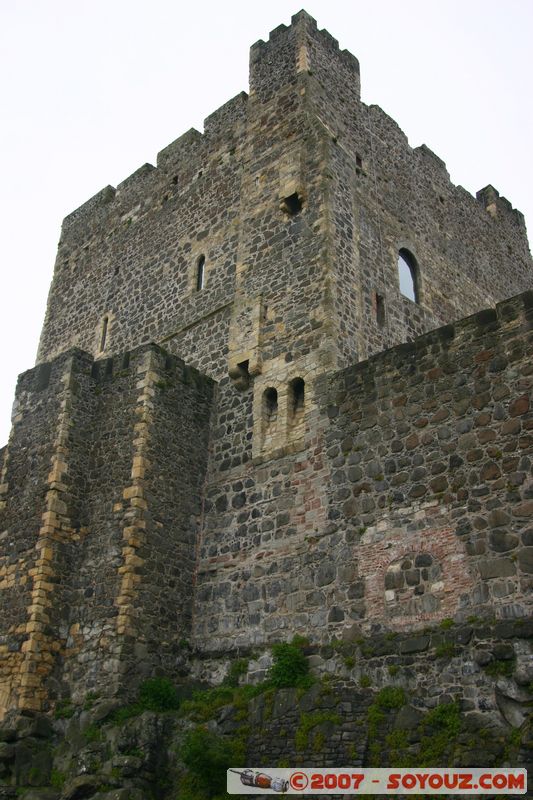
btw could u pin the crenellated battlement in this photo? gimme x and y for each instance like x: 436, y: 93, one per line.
x: 426, y: 153
x: 499, y: 207
x: 148, y: 184
x: 304, y: 23
x: 89, y: 209
x: 300, y: 50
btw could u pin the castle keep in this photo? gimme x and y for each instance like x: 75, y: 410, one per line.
x: 281, y: 388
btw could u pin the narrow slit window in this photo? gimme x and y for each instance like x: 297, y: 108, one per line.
x: 200, y: 274
x: 408, y: 275
x: 296, y: 398
x: 380, y: 310
x: 270, y: 405
x: 103, y: 336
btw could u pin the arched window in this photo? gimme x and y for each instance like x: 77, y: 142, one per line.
x: 270, y: 405
x: 103, y: 336
x: 296, y: 399
x: 200, y: 273
x: 408, y: 275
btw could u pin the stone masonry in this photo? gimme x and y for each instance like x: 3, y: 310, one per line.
x: 239, y: 427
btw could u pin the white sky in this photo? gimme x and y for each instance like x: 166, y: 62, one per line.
x: 89, y: 91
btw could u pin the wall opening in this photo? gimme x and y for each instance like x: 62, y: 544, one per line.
x: 242, y: 382
x: 103, y: 335
x: 200, y: 273
x: 296, y: 400
x: 380, y: 310
x: 269, y: 414
x: 292, y: 204
x: 408, y: 274
x: 270, y: 405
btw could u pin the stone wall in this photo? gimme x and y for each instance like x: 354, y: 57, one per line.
x: 411, y: 503
x: 102, y: 485
x: 453, y: 696
x: 392, y: 493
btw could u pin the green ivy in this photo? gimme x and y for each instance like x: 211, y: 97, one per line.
x: 237, y: 668
x: 500, y: 669
x: 310, y: 721
x: 92, y: 733
x: 155, y: 694
x: 158, y: 694
x: 207, y: 756
x: 390, y: 697
x: 57, y: 779
x: 64, y: 709
x: 445, y: 650
x: 440, y: 729
x: 387, y: 699
x: 290, y: 666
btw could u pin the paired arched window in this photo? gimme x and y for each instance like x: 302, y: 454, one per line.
x: 279, y: 417
x: 408, y: 275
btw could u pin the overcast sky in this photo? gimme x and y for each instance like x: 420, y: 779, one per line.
x: 92, y: 90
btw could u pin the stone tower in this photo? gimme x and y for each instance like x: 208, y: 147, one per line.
x: 255, y: 410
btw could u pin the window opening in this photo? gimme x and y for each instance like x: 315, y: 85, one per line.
x: 243, y: 380
x: 380, y: 310
x: 200, y: 273
x: 292, y: 204
x: 270, y: 401
x: 297, y: 396
x: 103, y: 337
x: 408, y: 275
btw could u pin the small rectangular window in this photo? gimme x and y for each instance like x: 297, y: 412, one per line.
x: 292, y: 204
x: 380, y: 310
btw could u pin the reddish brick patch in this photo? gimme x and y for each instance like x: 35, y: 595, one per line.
x: 441, y: 543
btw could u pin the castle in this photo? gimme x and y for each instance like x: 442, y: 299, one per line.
x: 281, y: 388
